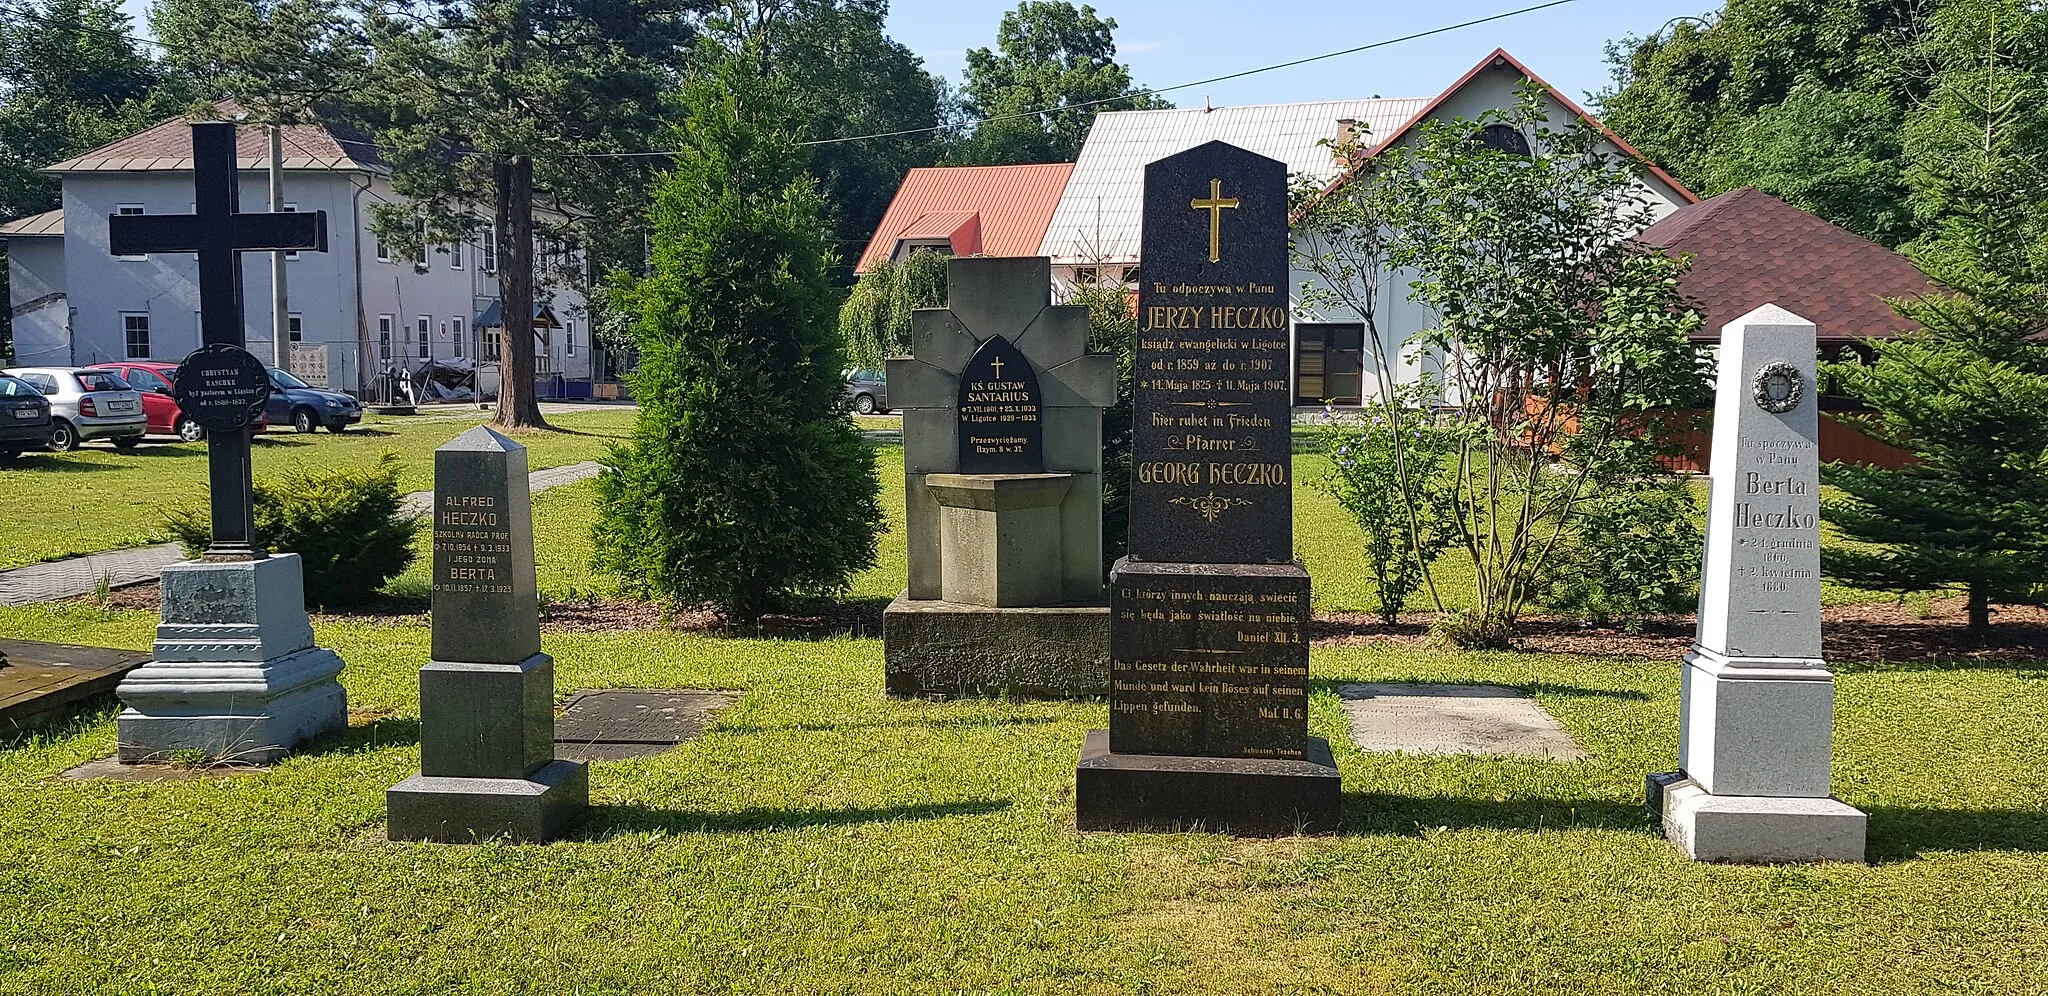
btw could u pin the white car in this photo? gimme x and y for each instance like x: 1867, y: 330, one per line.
x: 87, y: 404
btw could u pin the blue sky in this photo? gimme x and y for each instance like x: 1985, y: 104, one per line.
x: 1167, y: 42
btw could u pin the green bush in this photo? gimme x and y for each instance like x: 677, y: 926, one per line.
x: 1371, y: 456
x: 745, y: 485
x: 874, y: 323
x: 1113, y: 328
x: 1631, y: 555
x: 346, y: 526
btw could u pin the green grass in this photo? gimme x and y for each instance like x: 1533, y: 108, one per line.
x: 97, y: 498
x: 823, y: 839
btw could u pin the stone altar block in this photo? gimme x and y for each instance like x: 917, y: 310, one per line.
x: 1756, y: 701
x: 234, y: 674
x: 487, y: 698
x: 1002, y: 447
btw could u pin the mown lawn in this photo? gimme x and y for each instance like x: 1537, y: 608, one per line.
x: 97, y: 498
x: 821, y: 838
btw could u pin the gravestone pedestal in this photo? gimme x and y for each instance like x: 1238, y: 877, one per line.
x: 234, y: 673
x: 487, y: 700
x: 1756, y: 701
x: 1208, y: 720
x: 1002, y: 448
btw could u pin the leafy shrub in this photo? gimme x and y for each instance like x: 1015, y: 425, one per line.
x: 1370, y: 454
x: 1631, y: 555
x: 874, y: 323
x: 346, y: 525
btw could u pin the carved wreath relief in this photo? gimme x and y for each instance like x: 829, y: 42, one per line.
x: 1778, y: 387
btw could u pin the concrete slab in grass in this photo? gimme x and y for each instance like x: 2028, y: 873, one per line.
x: 1453, y: 719
x: 616, y: 724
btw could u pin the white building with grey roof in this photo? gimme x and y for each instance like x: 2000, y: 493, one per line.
x: 357, y: 311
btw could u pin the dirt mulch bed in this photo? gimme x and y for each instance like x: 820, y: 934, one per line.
x: 1872, y: 635
x: 1866, y: 634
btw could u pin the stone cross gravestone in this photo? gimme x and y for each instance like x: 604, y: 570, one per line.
x: 235, y: 674
x: 1002, y: 449
x: 1209, y: 613
x: 1756, y: 700
x: 487, y: 698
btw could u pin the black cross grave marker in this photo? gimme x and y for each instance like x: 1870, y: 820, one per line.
x: 219, y: 232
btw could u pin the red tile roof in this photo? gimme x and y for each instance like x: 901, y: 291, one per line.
x: 167, y: 145
x: 982, y: 210
x: 1752, y: 249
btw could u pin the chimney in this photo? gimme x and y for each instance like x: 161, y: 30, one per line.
x: 1341, y: 149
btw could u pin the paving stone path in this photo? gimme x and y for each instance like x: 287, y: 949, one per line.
x: 77, y: 576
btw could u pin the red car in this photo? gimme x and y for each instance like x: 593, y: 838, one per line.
x: 153, y: 380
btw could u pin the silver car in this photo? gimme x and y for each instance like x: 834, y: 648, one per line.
x: 87, y: 404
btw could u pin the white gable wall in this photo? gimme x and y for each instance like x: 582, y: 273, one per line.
x: 35, y: 279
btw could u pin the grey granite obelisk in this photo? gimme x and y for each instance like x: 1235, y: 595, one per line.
x: 1756, y: 700
x: 487, y: 699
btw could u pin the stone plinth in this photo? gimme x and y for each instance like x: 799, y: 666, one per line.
x: 937, y: 648
x: 487, y: 700
x: 235, y: 674
x: 1249, y: 796
x: 1000, y: 537
x: 1757, y: 704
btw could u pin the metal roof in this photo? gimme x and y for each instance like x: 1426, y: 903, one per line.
x: 50, y: 223
x: 167, y: 146
x: 1098, y: 216
x: 1011, y: 205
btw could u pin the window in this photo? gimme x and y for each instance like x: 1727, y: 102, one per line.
x: 1329, y: 363
x: 419, y: 256
x: 383, y: 254
x: 1129, y: 275
x: 456, y: 334
x: 1084, y: 276
x: 424, y: 325
x: 145, y: 379
x: 569, y: 338
x: 455, y: 255
x: 487, y: 253
x: 129, y: 209
x: 384, y: 324
x: 494, y: 342
x: 135, y: 330
x: 295, y: 327
x: 293, y: 255
x: 43, y: 383
x: 1504, y: 138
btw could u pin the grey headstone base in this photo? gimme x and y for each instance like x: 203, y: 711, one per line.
x: 934, y: 648
x: 239, y: 712
x: 466, y: 810
x: 1755, y: 829
x: 1245, y: 796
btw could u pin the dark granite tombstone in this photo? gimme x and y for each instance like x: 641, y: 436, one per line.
x: 487, y: 698
x: 1209, y: 613
x: 1001, y: 412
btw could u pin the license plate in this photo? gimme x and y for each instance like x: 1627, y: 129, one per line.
x: 26, y: 413
x: 120, y: 406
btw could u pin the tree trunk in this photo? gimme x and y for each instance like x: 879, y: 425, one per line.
x: 1980, y: 610
x: 517, y: 406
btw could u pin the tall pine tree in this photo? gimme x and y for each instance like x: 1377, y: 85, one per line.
x: 745, y: 484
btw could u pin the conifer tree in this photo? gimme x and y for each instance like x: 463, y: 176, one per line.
x: 745, y: 485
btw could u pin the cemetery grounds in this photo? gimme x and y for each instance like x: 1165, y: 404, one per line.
x: 821, y: 838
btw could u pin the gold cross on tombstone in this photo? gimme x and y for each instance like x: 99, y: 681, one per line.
x: 997, y: 363
x: 1214, y: 205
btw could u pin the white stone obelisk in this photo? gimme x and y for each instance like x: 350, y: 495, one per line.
x: 1756, y: 700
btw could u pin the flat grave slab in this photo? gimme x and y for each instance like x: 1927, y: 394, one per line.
x: 111, y: 769
x: 1408, y: 718
x: 41, y: 682
x: 620, y: 723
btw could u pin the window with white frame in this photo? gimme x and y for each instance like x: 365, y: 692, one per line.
x: 291, y: 208
x: 384, y: 326
x: 383, y: 253
x: 424, y: 326
x: 127, y: 209
x: 295, y: 326
x: 456, y: 334
x: 455, y: 255
x: 569, y: 338
x: 419, y: 256
x: 135, y: 332
x: 494, y: 342
x: 487, y: 251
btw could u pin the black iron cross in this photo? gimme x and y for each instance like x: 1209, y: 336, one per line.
x: 219, y: 233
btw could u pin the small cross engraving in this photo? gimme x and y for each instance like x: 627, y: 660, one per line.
x: 1215, y: 204
x: 997, y: 365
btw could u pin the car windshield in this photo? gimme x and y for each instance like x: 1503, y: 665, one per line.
x: 102, y: 380
x: 13, y: 388
x: 286, y: 381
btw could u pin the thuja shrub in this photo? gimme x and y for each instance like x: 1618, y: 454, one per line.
x: 348, y: 527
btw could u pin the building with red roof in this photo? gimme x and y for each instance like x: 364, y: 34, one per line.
x: 969, y: 211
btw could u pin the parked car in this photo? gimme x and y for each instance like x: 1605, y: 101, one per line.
x: 153, y: 379
x: 87, y: 404
x: 308, y: 408
x: 24, y: 418
x: 867, y: 391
